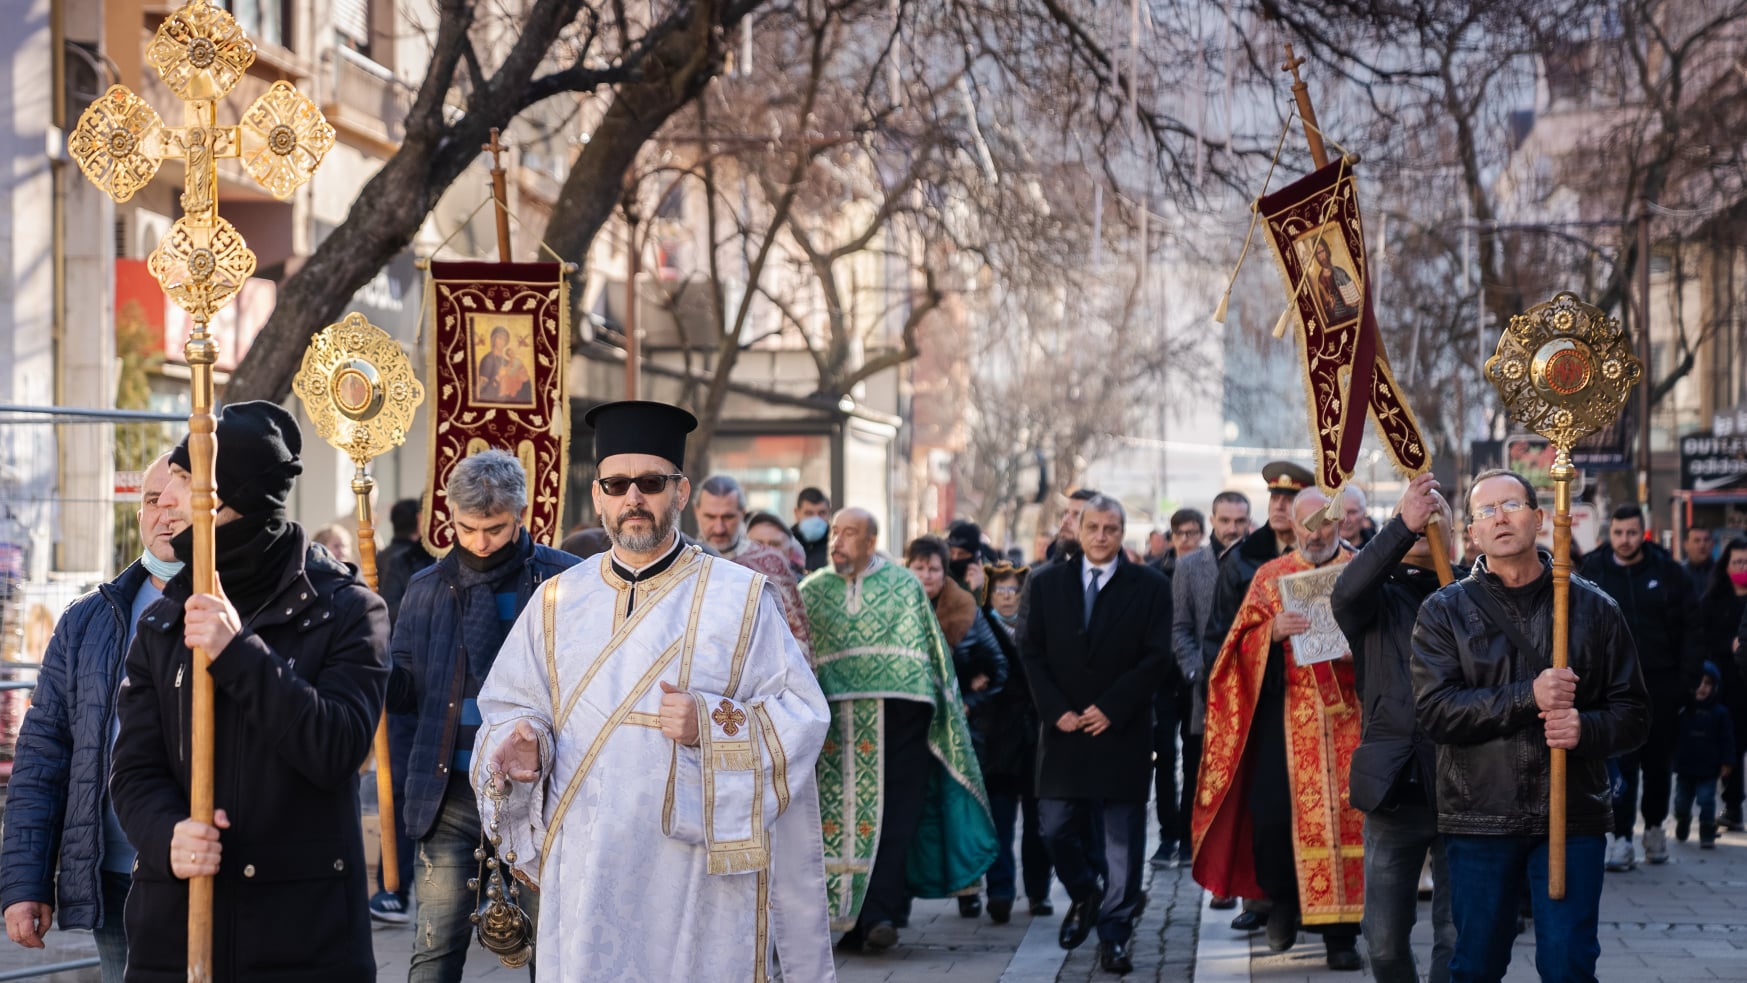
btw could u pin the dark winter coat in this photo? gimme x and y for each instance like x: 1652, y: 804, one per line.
x: 1376, y: 601
x: 1656, y: 599
x: 1706, y: 739
x: 298, y: 694
x: 1720, y: 618
x: 398, y: 563
x: 1475, y: 696
x: 1009, y: 758
x: 430, y: 673
x: 1114, y: 664
x: 59, y: 792
x: 1236, y: 569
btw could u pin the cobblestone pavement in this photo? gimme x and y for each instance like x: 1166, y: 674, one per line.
x: 1681, y: 922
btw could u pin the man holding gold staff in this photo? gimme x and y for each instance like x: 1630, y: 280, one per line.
x: 297, y: 647
x: 1488, y: 695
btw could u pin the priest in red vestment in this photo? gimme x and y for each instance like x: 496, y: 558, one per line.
x: 1271, y: 811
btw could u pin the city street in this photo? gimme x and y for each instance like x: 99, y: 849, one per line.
x: 1682, y: 922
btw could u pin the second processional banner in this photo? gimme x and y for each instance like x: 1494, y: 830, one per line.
x: 1319, y: 244
x: 499, y: 351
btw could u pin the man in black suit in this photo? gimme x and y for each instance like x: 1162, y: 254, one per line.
x: 1096, y: 645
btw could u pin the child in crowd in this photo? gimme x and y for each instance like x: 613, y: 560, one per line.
x: 1705, y: 745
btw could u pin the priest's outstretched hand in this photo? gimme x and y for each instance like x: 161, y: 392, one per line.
x: 519, y: 755
x: 679, y: 715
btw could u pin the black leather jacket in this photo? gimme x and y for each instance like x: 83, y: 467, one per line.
x: 1475, y: 695
x: 1376, y: 601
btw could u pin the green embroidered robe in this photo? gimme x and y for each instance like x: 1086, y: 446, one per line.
x: 876, y: 639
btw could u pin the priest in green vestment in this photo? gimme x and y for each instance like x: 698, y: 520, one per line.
x: 901, y: 800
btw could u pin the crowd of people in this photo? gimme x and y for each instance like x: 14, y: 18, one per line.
x: 746, y: 753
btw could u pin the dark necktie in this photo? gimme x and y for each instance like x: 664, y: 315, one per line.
x: 1091, y: 596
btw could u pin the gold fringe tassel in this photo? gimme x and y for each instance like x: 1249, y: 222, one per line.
x: 739, y: 861
x: 736, y: 758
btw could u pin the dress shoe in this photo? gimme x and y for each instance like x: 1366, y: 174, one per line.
x: 1042, y: 908
x: 1000, y: 910
x: 880, y: 936
x: 1139, y: 910
x: 1249, y: 921
x: 1282, y: 928
x: 1077, y: 924
x: 1344, y: 958
x: 1113, y: 957
x: 969, y: 906
x: 1222, y: 903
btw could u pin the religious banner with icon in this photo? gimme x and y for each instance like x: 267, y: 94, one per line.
x: 500, y: 348
x: 1319, y: 245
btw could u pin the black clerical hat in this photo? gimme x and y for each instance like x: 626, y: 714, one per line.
x: 640, y: 426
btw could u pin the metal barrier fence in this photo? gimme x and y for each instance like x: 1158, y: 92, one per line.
x: 69, y: 494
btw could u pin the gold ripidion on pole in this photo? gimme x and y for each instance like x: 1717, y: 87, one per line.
x: 1563, y: 369
x: 358, y: 388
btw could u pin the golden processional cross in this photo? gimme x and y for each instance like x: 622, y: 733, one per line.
x: 120, y: 143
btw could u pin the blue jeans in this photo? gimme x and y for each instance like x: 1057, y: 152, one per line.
x: 111, y: 936
x: 445, y: 863
x: 1485, y: 877
x: 1121, y: 835
x: 1396, y: 844
x: 1033, y: 855
x: 1704, y: 790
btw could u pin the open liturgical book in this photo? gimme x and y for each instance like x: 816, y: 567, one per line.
x: 1308, y: 594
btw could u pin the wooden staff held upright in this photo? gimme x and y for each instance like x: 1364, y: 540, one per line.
x: 1436, y: 535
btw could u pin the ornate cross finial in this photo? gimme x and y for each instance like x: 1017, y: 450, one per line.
x: 729, y: 718
x: 201, y: 54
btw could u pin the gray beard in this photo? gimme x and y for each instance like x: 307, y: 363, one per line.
x: 643, y: 543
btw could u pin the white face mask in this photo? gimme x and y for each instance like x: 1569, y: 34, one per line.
x: 161, y: 569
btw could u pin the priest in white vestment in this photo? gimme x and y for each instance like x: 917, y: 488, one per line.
x: 647, y: 748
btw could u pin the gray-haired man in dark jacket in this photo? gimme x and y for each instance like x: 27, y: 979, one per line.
x: 453, y: 619
x: 64, y: 848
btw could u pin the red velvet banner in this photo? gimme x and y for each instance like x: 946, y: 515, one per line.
x: 1319, y: 244
x: 500, y: 348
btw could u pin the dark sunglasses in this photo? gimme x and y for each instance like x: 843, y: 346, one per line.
x: 648, y: 484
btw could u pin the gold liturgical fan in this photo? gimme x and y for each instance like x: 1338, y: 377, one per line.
x: 1564, y: 370
x: 358, y: 388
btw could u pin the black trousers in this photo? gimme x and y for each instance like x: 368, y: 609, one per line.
x: 1120, y: 832
x: 1270, y: 801
x: 1654, y: 761
x: 907, y: 769
x: 1172, y: 708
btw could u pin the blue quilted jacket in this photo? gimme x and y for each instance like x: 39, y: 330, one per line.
x: 60, y: 778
